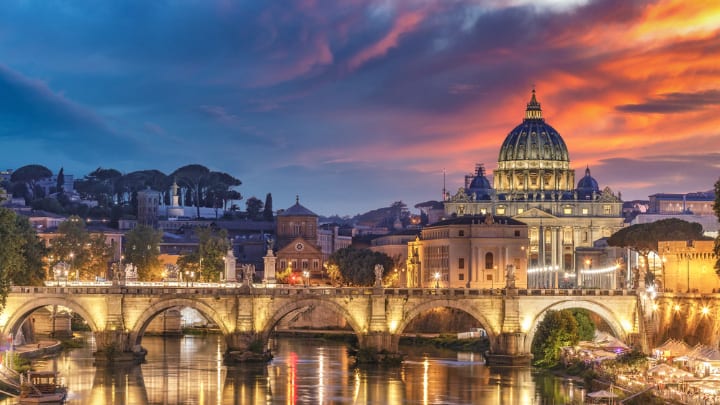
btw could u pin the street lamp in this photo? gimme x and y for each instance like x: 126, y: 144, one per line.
x: 306, y: 275
x: 437, y: 279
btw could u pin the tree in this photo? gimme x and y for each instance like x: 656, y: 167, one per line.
x: 357, y: 266
x: 586, y: 327
x: 558, y: 329
x: 60, y: 183
x: 268, y: 211
x: 28, y: 176
x: 142, y: 248
x: 716, y: 208
x: 88, y: 255
x: 100, y: 185
x: 192, y: 177
x: 644, y: 238
x: 254, y: 207
x: 206, y: 261
x: 21, y: 253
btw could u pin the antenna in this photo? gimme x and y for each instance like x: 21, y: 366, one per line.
x: 444, y: 195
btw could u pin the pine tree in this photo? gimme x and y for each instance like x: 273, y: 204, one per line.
x: 268, y: 211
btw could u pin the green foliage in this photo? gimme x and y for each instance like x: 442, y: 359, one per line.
x: 357, y: 266
x: 207, y: 260
x: 586, y: 327
x: 142, y: 248
x: 21, y: 253
x: 557, y: 330
x: 87, y: 254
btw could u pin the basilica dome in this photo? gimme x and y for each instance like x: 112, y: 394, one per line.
x: 533, y: 139
x: 533, y: 159
x: 587, y: 185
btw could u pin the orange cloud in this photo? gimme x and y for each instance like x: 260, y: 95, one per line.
x: 405, y: 23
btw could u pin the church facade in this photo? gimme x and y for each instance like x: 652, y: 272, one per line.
x: 534, y: 184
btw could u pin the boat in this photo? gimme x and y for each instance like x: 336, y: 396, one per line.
x: 41, y: 387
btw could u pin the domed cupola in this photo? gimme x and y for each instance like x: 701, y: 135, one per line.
x: 533, y: 157
x: 480, y: 185
x: 534, y: 139
x: 587, y: 185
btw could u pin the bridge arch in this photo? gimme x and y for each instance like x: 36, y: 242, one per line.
x: 295, y: 305
x: 94, y: 320
x: 491, y: 328
x: 604, y: 312
x: 138, y: 329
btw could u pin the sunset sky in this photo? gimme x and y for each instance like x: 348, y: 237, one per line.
x: 355, y: 104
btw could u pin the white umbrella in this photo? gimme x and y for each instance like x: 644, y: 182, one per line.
x: 602, y: 394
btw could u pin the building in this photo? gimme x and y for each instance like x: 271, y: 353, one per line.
x: 700, y: 203
x: 687, y: 266
x: 148, y: 203
x: 297, y: 241
x: 332, y: 237
x: 474, y: 251
x: 534, y: 184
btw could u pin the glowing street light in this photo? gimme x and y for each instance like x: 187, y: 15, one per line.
x: 437, y: 279
x: 306, y: 275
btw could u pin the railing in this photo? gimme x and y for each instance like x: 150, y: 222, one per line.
x: 227, y: 289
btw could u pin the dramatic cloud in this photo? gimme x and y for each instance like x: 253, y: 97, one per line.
x: 359, y: 103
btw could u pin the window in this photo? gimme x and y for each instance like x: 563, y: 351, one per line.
x: 461, y: 263
x: 584, y: 211
x: 521, y: 210
x: 567, y: 211
x: 461, y: 276
x: 282, y: 264
x: 461, y: 233
x: 606, y: 209
x: 500, y: 210
x: 517, y: 234
x: 489, y: 277
x: 304, y: 264
x: 488, y: 261
x: 316, y: 264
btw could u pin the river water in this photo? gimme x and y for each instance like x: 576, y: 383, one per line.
x: 189, y: 370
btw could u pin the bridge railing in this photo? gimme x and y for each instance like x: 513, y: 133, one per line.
x: 261, y: 289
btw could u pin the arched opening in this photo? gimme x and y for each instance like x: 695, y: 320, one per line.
x: 597, y: 330
x: 295, y: 311
x: 477, y: 324
x: 44, y: 321
x: 161, y: 308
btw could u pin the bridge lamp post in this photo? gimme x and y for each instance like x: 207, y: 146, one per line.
x: 306, y: 276
x: 436, y: 276
x: 72, y: 266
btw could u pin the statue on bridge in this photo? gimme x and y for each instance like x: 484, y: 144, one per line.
x: 509, y: 276
x: 131, y: 272
x: 379, y: 269
x: 247, y: 271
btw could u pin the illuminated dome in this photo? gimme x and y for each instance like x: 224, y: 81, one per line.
x: 533, y: 158
x: 534, y: 139
x: 587, y: 185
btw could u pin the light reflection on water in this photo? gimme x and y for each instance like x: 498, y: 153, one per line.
x: 189, y: 370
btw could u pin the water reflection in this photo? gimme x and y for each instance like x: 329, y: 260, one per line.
x: 190, y: 370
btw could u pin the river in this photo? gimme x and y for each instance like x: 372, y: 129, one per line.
x: 189, y: 370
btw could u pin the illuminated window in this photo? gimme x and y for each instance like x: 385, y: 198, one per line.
x: 501, y: 210
x: 567, y: 210
x: 521, y: 210
x: 607, y: 210
x: 584, y: 211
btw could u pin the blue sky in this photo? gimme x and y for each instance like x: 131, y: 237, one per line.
x: 356, y: 104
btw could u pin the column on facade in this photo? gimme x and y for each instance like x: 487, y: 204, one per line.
x: 553, y: 256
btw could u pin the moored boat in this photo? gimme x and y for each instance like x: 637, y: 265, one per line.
x: 41, y: 387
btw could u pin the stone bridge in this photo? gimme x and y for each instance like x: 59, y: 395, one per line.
x: 119, y: 315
